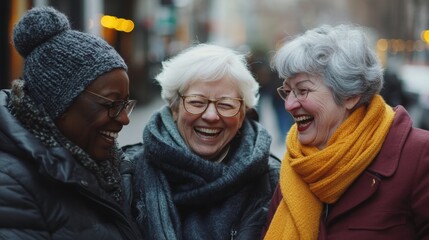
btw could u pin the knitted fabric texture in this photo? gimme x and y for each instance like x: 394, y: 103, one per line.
x: 310, y: 177
x: 35, y: 119
x: 183, y: 196
x: 59, y: 62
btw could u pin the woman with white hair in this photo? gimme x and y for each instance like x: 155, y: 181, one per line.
x: 204, y: 169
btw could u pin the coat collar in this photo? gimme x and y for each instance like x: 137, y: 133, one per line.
x: 56, y: 162
x: 385, y: 164
x: 387, y: 159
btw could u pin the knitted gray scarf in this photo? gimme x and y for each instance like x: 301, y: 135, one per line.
x: 183, y: 196
x: 37, y: 121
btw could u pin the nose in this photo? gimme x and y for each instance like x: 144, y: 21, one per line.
x: 211, y: 113
x: 123, y: 117
x: 292, y: 103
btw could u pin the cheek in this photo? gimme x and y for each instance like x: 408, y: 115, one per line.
x: 233, y: 125
x: 92, y: 117
x: 315, y: 108
x: 184, y: 124
x: 328, y: 120
x: 322, y: 115
x: 322, y: 108
x: 90, y: 123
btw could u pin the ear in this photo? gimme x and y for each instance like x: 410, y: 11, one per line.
x: 351, y: 102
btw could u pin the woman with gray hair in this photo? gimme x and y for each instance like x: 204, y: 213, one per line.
x: 354, y: 168
x: 204, y: 169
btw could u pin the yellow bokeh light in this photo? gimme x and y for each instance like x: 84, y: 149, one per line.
x: 108, y: 21
x: 129, y: 26
x: 409, y: 45
x: 382, y: 44
x: 398, y: 45
x: 425, y: 36
x: 119, y: 24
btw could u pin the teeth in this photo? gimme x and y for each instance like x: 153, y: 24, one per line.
x: 113, y: 135
x: 302, y: 118
x: 208, y: 130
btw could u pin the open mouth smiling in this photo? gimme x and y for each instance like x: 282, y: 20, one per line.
x: 303, y: 121
x: 208, y: 132
x: 110, y: 136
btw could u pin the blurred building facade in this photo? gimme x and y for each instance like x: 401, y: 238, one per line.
x: 164, y: 27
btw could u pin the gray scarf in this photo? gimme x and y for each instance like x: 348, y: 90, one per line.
x: 183, y: 196
x: 37, y: 121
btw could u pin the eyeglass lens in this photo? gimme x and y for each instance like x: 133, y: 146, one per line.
x: 117, y: 106
x: 300, y: 94
x: 226, y: 107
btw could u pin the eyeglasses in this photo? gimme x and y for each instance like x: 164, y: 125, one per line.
x: 300, y: 93
x: 226, y: 107
x: 115, y: 107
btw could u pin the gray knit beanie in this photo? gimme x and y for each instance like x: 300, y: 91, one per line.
x: 59, y: 62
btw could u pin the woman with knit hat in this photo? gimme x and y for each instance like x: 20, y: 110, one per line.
x: 354, y: 167
x: 59, y: 174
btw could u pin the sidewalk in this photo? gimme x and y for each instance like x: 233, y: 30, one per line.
x: 132, y: 133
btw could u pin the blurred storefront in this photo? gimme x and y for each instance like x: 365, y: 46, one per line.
x: 85, y: 16
x: 156, y: 30
x: 161, y: 28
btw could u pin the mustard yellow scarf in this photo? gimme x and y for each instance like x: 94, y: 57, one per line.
x: 310, y: 177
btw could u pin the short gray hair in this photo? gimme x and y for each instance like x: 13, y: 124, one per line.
x: 341, y: 55
x: 206, y: 62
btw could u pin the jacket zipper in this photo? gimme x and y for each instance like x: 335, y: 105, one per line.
x: 233, y: 233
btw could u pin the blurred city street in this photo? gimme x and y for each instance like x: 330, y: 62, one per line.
x: 148, y: 32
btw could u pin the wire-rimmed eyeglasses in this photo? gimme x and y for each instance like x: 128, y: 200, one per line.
x: 226, y: 106
x: 300, y: 93
x: 115, y: 107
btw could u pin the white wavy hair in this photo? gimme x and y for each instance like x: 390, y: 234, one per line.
x: 206, y: 62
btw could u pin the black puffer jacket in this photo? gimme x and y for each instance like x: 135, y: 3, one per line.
x: 46, y: 194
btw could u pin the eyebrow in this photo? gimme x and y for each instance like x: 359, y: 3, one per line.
x: 299, y: 83
x: 201, y: 95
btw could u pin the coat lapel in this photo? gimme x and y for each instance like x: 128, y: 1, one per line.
x: 366, y: 185
x: 383, y: 166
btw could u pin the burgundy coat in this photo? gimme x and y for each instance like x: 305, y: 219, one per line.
x: 390, y: 199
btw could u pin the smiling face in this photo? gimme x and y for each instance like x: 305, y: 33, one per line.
x: 317, y: 116
x: 208, y: 134
x: 86, y: 122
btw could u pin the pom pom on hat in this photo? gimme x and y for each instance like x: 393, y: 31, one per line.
x: 59, y: 62
x: 28, y: 33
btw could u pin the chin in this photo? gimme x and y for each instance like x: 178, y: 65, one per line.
x: 206, y: 155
